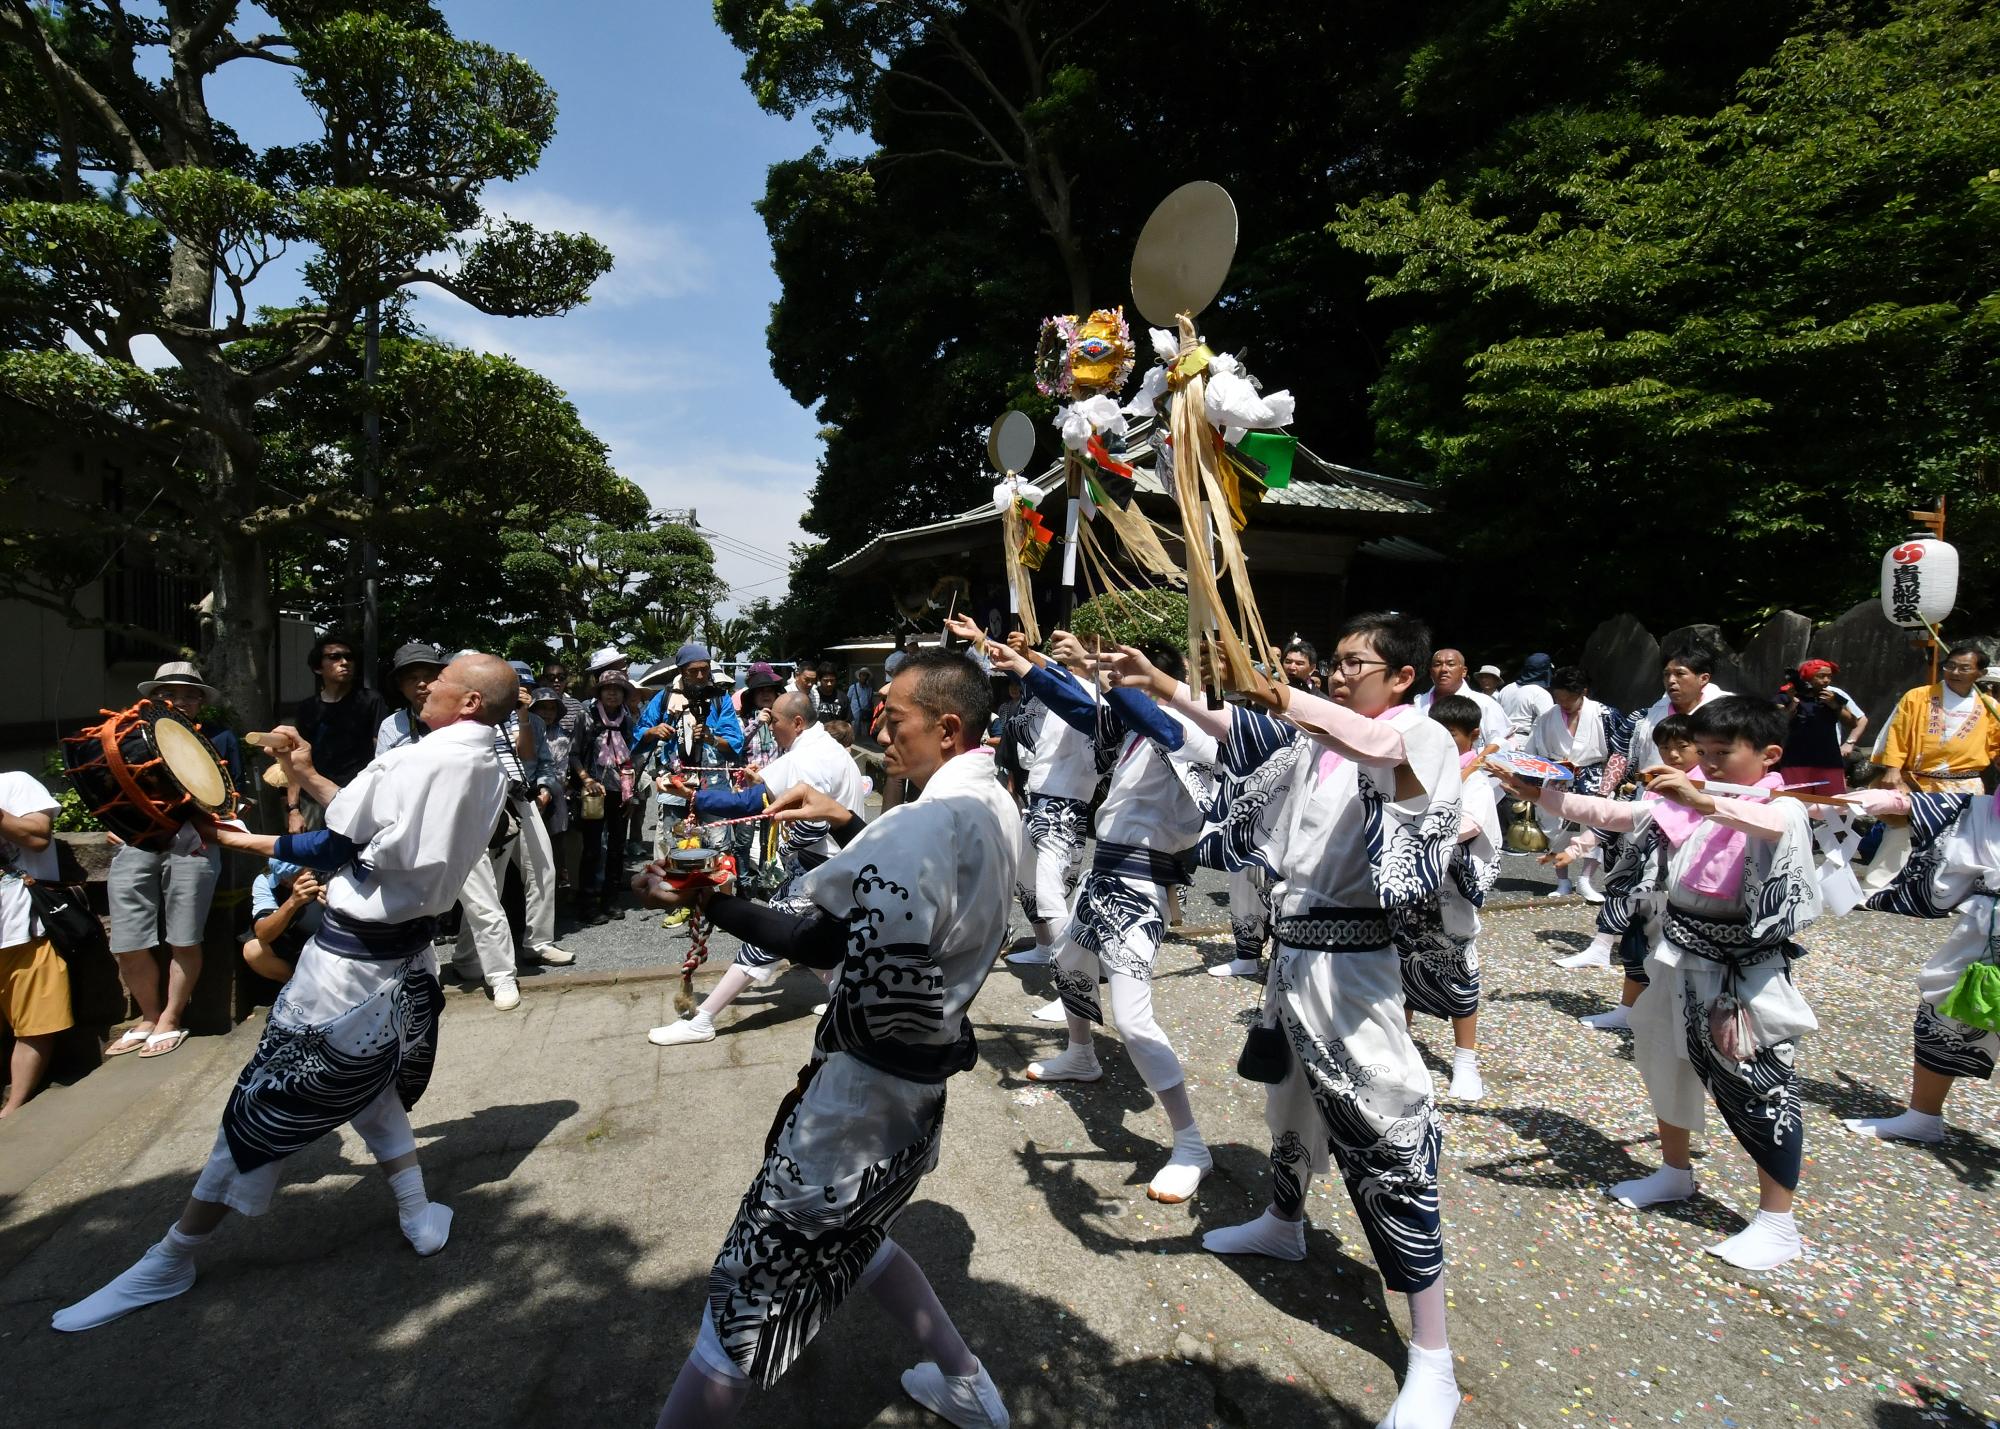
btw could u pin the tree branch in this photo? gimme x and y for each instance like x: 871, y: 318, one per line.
x: 20, y: 21
x: 964, y: 111
x: 77, y: 620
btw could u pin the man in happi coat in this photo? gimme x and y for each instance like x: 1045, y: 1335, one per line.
x: 909, y: 914
x: 354, y: 1033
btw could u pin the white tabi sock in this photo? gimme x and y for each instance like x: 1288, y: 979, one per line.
x: 1430, y: 1397
x: 1669, y: 1183
x: 971, y: 1401
x: 1267, y: 1235
x: 1771, y: 1239
x: 1076, y: 1064
x: 1597, y: 955
x: 425, y: 1223
x: 1911, y: 1125
x: 1181, y: 1176
x: 1466, y: 1083
x: 164, y: 1271
x: 1610, y: 1021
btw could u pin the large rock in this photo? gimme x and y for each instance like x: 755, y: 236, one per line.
x: 1878, y: 661
x: 1779, y: 645
x: 1624, y: 663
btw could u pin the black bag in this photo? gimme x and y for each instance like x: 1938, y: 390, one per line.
x: 66, y: 919
x: 1265, y: 1057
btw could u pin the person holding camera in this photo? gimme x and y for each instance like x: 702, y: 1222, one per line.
x: 287, y: 903
x: 1826, y: 728
x: 691, y: 710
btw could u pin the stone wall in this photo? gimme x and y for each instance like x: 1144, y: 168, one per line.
x: 1877, y: 661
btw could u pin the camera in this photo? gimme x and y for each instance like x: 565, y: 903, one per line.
x: 1798, y: 687
x: 700, y: 700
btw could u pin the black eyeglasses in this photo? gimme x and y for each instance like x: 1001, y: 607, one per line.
x: 345, y: 657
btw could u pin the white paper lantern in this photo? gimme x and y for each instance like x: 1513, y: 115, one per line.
x: 1919, y: 582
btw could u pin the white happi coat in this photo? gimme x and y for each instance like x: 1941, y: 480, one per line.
x: 818, y: 759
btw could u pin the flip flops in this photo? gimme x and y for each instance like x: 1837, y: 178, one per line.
x: 131, y: 1041
x: 161, y: 1043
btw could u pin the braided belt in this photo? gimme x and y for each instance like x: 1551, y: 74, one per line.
x: 1334, y: 930
x: 1719, y: 940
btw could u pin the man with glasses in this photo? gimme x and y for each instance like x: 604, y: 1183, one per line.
x: 340, y: 722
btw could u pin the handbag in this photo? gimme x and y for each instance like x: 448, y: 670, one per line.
x: 593, y: 806
x: 66, y: 919
x: 1265, y: 1056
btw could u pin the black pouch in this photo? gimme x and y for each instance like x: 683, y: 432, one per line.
x: 1265, y: 1057
x: 66, y: 919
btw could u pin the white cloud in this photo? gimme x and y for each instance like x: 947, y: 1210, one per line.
x: 576, y: 361
x: 753, y: 498
x: 655, y: 258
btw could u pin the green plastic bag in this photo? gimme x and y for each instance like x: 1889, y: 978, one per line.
x: 1274, y: 450
x: 1975, y: 998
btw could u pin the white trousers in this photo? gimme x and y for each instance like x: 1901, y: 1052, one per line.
x: 485, y: 943
x: 384, y: 1128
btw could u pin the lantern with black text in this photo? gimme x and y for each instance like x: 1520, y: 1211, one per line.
x: 1919, y: 582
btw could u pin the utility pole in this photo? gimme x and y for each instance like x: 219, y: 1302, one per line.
x: 371, y: 492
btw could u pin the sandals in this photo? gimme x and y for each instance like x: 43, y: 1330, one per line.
x: 133, y: 1039
x: 161, y: 1043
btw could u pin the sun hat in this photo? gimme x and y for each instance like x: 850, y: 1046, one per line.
x: 605, y: 657
x: 178, y: 672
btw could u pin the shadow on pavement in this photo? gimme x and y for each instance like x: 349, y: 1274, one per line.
x: 1577, y: 1156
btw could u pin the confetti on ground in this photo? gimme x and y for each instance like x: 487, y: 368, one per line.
x: 1569, y: 1309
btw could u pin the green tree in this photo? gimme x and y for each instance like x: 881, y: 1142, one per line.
x: 922, y: 259
x: 135, y: 211
x: 641, y: 584
x: 1736, y: 348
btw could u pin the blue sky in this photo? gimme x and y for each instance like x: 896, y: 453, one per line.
x: 659, y: 152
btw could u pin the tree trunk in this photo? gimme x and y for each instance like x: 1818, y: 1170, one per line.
x: 239, y: 661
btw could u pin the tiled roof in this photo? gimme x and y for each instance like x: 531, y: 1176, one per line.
x: 1317, y: 484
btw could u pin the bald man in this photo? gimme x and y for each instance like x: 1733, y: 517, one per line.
x: 1448, y: 673
x: 353, y: 1035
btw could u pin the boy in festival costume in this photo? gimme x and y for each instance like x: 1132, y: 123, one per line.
x: 911, y: 912
x: 1352, y: 804
x: 1631, y: 926
x: 1436, y: 945
x: 1147, y: 820
x: 354, y: 1033
x: 1720, y: 1016
x: 1062, y: 777
x: 1954, y: 867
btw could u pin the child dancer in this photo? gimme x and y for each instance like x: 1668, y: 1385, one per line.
x: 1720, y: 1016
x: 1437, y: 947
x: 1356, y: 812
x: 1147, y: 820
x: 1633, y: 925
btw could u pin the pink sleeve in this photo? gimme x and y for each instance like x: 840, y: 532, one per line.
x: 1617, y: 816
x: 1759, y: 820
x: 1197, y: 713
x: 1880, y: 801
x: 1364, y: 740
